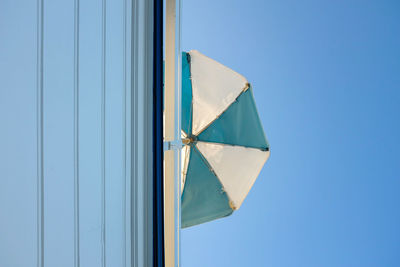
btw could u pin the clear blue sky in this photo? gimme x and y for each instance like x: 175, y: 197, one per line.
x: 326, y: 77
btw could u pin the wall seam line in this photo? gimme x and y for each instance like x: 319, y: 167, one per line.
x: 39, y: 113
x: 76, y: 136
x: 134, y: 133
x: 103, y: 148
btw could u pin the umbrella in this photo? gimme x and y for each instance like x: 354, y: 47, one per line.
x: 224, y: 143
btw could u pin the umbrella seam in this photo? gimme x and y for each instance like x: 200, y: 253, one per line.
x: 203, y: 158
x: 217, y: 117
x: 264, y: 149
x: 248, y: 191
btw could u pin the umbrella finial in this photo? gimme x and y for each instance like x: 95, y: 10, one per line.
x: 192, y: 139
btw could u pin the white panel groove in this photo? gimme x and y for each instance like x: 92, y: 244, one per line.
x: 76, y: 135
x: 103, y: 135
x: 39, y: 111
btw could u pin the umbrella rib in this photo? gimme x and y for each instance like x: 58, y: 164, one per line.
x: 247, y: 86
x: 267, y: 154
x: 189, y: 131
x: 203, y: 158
x: 227, y: 144
x: 205, y: 161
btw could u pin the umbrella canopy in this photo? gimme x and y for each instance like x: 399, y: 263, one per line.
x: 224, y: 143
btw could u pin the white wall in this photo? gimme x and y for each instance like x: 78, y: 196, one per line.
x: 75, y: 89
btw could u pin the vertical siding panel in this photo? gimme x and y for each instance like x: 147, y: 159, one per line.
x: 114, y: 134
x: 58, y: 130
x: 103, y: 133
x: 90, y: 132
x: 18, y: 135
x: 141, y: 156
x: 128, y: 130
